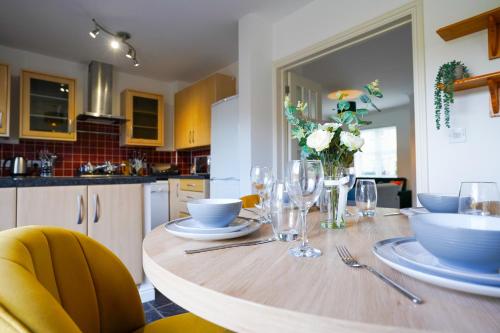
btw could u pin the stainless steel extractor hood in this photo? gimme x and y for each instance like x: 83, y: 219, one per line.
x: 100, y: 94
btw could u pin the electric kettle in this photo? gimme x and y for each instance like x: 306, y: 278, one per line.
x: 17, y: 166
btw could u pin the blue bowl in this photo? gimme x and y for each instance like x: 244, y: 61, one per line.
x: 215, y: 213
x: 439, y: 203
x: 468, y: 242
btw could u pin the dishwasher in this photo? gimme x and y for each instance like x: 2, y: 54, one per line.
x: 156, y: 211
x: 159, y: 203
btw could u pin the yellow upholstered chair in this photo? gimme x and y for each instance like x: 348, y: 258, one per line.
x: 249, y: 201
x: 56, y: 280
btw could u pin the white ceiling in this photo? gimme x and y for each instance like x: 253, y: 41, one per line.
x: 387, y: 57
x: 175, y: 39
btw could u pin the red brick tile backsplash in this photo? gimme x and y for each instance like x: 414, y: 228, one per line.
x: 96, y: 143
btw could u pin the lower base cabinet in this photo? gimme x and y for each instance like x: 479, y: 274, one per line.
x: 7, y: 208
x: 115, y: 215
x: 110, y: 214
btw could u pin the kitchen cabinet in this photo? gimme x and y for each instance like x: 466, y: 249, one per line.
x: 7, y: 208
x: 47, y: 107
x: 110, y: 214
x: 144, y: 113
x: 115, y: 219
x: 193, y: 109
x: 182, y: 191
x: 4, y: 99
x: 61, y: 206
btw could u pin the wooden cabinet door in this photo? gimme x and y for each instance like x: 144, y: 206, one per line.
x: 7, y: 208
x: 174, y: 193
x: 4, y: 99
x: 48, y: 109
x: 145, y: 118
x: 206, y: 96
x: 116, y: 219
x: 183, y: 121
x: 62, y: 206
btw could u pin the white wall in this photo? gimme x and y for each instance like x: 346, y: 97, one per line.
x: 401, y: 118
x: 255, y: 96
x: 449, y: 164
x: 20, y: 59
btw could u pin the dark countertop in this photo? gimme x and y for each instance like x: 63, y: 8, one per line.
x: 68, y: 181
x: 190, y: 176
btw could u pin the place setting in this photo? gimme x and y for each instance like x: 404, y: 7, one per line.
x: 456, y: 242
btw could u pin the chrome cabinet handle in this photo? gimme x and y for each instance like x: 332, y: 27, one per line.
x: 71, y: 129
x: 97, y: 206
x: 191, y: 185
x: 192, y: 137
x: 1, y: 119
x: 79, y: 200
x: 177, y: 190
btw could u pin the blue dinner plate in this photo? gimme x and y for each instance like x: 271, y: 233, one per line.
x: 428, y: 271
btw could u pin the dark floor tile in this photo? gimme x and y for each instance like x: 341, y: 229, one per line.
x: 170, y: 310
x: 152, y: 315
x: 160, y: 300
x: 147, y: 306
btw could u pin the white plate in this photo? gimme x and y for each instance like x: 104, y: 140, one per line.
x: 383, y: 250
x: 410, y: 251
x: 412, y: 211
x: 194, y: 225
x: 197, y: 235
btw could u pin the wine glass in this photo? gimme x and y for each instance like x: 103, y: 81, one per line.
x: 262, y: 180
x: 479, y: 198
x: 304, y: 183
x: 366, y: 196
x: 351, y: 172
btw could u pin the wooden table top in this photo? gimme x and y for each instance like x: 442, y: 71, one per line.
x: 264, y: 289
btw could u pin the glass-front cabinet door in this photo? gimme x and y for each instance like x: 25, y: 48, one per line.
x: 144, y: 118
x: 47, y: 107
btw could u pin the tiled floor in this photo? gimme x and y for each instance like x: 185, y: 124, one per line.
x: 161, y: 307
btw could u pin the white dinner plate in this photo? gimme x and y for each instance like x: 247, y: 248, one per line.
x: 410, y: 250
x: 385, y: 252
x: 208, y: 236
x: 194, y: 225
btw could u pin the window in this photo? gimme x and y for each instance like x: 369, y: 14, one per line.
x: 379, y: 157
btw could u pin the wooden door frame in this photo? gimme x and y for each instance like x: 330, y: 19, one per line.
x: 410, y: 13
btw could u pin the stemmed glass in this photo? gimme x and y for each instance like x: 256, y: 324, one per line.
x: 351, y: 172
x: 262, y: 181
x: 304, y: 183
x: 479, y: 198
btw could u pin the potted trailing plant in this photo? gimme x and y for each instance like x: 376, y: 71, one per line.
x: 334, y: 143
x: 444, y: 89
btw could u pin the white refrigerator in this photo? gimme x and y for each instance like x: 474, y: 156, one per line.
x: 224, y: 150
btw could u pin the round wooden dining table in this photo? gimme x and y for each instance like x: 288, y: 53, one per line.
x: 262, y: 288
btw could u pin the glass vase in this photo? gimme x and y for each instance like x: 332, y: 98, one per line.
x: 333, y: 200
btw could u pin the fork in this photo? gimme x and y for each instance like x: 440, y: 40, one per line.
x: 349, y: 260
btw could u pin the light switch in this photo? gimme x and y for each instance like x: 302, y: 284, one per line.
x: 457, y: 135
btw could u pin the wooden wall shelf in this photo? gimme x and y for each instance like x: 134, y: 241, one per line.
x: 491, y: 80
x: 488, y: 20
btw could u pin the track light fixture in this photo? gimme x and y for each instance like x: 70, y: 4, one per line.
x: 118, y: 38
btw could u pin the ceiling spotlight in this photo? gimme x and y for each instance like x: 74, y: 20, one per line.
x: 114, y: 44
x: 94, y: 33
x: 130, y: 54
x: 118, y: 40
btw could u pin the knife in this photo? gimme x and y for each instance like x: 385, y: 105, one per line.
x: 227, y: 246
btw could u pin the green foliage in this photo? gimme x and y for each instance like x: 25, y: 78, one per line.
x: 337, y: 153
x: 444, y: 90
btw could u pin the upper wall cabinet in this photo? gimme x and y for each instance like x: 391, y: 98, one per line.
x: 193, y: 109
x: 47, y: 107
x: 145, y: 119
x: 4, y: 99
